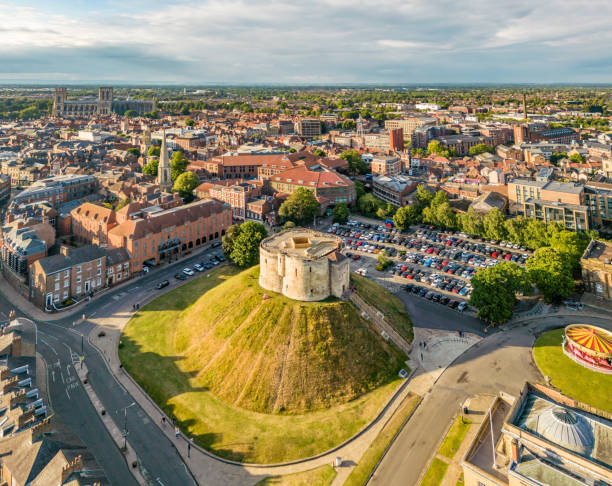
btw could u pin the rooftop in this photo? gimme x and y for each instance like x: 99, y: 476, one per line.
x: 304, y: 243
x: 599, y: 250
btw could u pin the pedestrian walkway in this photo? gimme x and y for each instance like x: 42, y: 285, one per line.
x: 433, y: 351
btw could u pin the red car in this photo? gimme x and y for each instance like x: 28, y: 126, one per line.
x: 508, y: 257
x: 494, y: 254
x: 356, y: 257
x: 430, y: 250
x: 444, y: 263
x: 404, y: 268
x: 409, y: 277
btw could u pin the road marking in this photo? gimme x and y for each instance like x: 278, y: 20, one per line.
x: 68, y: 394
x: 68, y: 370
x: 62, y: 377
x: 53, y: 376
x: 52, y: 348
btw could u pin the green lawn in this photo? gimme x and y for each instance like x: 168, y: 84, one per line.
x: 377, y: 448
x: 387, y: 303
x: 460, y: 481
x: 320, y: 476
x: 187, y: 367
x: 455, y: 436
x: 572, y: 379
x: 435, y: 473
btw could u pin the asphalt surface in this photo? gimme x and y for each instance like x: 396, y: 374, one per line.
x: 501, y: 362
x: 60, y: 344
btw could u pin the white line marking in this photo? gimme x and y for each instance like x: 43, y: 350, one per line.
x: 53, y: 376
x: 52, y: 348
x: 62, y: 377
x: 68, y: 394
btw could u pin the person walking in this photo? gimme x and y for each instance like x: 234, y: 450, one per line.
x: 188, y: 448
x: 163, y: 421
x: 176, y: 432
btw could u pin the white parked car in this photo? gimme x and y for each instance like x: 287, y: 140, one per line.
x: 188, y: 271
x: 198, y: 267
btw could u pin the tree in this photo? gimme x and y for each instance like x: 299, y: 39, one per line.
x: 341, y: 213
x: 178, y: 164
x: 577, y: 158
x: 133, y: 151
x: 123, y: 203
x: 245, y: 248
x: 318, y: 152
x: 423, y: 196
x: 494, y: 291
x: 471, y: 223
x: 436, y: 148
x: 535, y: 234
x: 154, y: 151
x: 551, y: 272
x: 228, y: 239
x: 405, y: 216
x: 572, y: 245
x: 383, y: 261
x: 185, y: 184
x: 301, y: 207
x: 515, y: 229
x: 556, y: 157
x: 130, y: 114
x: 369, y: 205
x: 445, y: 216
x: 359, y: 189
x: 481, y: 148
x: 151, y: 168
x: 494, y: 225
x: 348, y: 125
x: 189, y: 122
x: 355, y: 162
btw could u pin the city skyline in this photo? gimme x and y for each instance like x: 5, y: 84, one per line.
x: 324, y: 42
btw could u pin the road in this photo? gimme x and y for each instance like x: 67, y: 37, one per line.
x: 60, y: 343
x: 501, y: 362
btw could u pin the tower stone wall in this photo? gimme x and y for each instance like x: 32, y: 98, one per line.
x: 304, y: 265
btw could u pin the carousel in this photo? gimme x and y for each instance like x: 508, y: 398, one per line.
x: 589, y: 346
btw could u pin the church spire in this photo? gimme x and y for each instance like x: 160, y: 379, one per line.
x: 164, y: 177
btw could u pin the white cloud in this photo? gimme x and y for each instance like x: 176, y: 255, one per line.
x: 331, y: 40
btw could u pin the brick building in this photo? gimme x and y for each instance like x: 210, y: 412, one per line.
x: 386, y: 165
x: 596, y: 265
x: 57, y: 190
x: 160, y: 235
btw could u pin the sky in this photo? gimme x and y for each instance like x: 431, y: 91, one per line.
x: 305, y: 42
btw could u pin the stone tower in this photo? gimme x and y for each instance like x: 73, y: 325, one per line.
x: 59, y: 100
x: 105, y: 101
x: 164, y: 178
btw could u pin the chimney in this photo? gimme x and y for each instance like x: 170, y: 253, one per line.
x: 4, y: 373
x: 9, y: 384
x: 39, y: 429
x: 17, y: 397
x: 71, y: 467
x: 514, y: 450
x: 64, y: 250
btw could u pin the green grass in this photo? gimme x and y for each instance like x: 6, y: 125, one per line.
x: 259, y: 380
x: 360, y: 474
x: 460, y: 481
x: 435, y: 473
x: 572, y: 379
x: 320, y: 476
x: 455, y: 436
x: 387, y: 303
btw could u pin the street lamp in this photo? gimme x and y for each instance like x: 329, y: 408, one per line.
x: 125, y: 430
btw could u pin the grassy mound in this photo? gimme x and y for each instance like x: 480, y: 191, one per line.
x: 568, y: 376
x: 259, y: 380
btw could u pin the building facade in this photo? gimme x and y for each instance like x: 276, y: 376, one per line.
x: 596, y: 265
x: 304, y: 265
x: 105, y: 104
x: 389, y: 165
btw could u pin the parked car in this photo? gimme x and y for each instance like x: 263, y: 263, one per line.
x: 162, y: 284
x: 462, y: 306
x: 198, y: 267
x: 188, y: 271
x: 179, y: 276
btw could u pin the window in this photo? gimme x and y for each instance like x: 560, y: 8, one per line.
x: 79, y: 279
x: 99, y: 282
x: 57, y: 286
x: 110, y: 270
x: 67, y: 274
x: 118, y: 276
x: 79, y: 269
x: 65, y: 295
x: 119, y: 267
x: 66, y: 283
x: 78, y: 289
x: 100, y: 262
x: 99, y: 271
x: 126, y: 265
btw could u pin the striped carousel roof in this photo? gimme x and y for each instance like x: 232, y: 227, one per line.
x: 594, y: 340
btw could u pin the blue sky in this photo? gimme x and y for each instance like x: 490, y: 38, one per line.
x: 295, y: 42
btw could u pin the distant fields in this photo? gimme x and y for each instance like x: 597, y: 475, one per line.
x: 259, y: 380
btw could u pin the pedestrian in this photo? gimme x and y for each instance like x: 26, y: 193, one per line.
x: 421, y: 356
x: 176, y: 432
x: 188, y: 449
x: 163, y: 421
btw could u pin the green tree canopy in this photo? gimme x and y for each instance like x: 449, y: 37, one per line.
x: 341, y: 213
x: 494, y: 291
x: 228, y: 239
x: 356, y: 164
x: 535, y: 234
x: 133, y: 151
x: 151, y: 168
x: 301, y: 207
x: 368, y: 204
x: 435, y: 147
x: 383, y: 261
x: 178, y: 164
x: 348, y: 125
x: 551, y: 272
x: 318, y: 152
x: 130, y: 114
x: 577, y: 158
x: 359, y: 189
x: 471, y: 223
x: 405, y: 216
x: 185, y: 184
x: 245, y: 247
x: 481, y: 148
x: 153, y: 151
x: 123, y: 203
x: 556, y: 157
x: 189, y: 122
x: 494, y: 225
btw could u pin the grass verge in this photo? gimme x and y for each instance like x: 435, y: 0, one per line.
x: 387, y: 303
x: 455, y: 436
x: 360, y: 474
x: 435, y: 473
x: 568, y: 376
x: 194, y: 344
x: 320, y: 476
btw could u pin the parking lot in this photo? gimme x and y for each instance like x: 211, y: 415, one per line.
x: 433, y: 264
